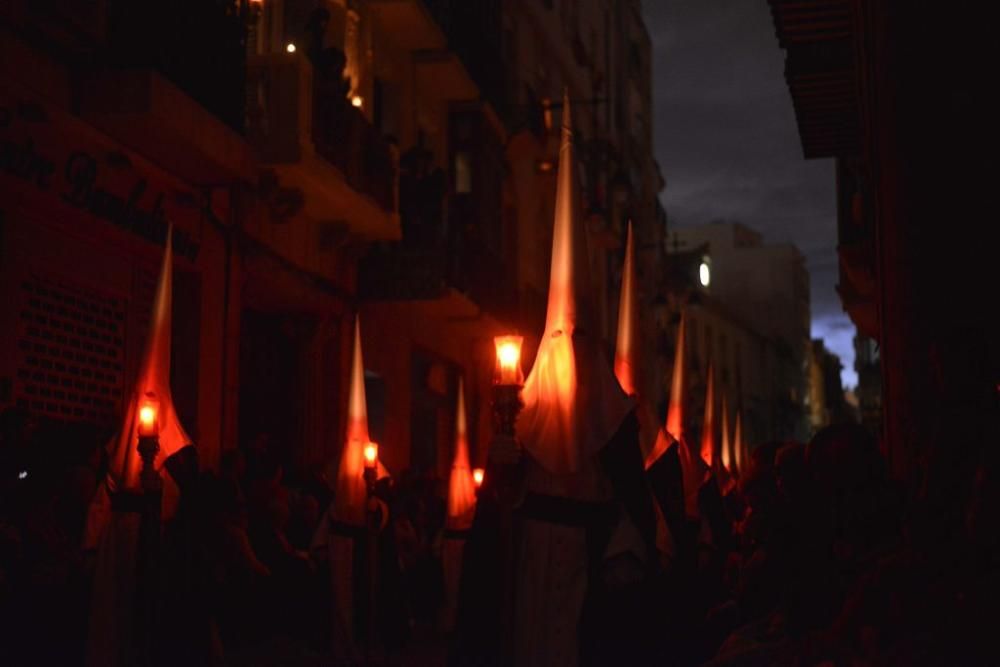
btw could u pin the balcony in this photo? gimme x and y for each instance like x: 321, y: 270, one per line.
x: 307, y: 133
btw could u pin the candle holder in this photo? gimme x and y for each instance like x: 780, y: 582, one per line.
x: 507, y: 383
x: 149, y: 443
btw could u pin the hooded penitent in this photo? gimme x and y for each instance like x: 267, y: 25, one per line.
x: 351, y: 493
x: 692, y: 467
x: 336, y: 536
x: 461, y: 487
x: 653, y: 442
x: 627, y: 362
x: 153, y: 381
x: 114, y: 534
x: 572, y: 401
x: 461, y: 511
x: 575, y: 420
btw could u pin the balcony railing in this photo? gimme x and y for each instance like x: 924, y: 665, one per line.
x: 343, y: 136
x: 292, y: 111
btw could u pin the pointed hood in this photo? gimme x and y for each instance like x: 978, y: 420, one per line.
x: 627, y: 360
x: 740, y: 456
x: 725, y: 449
x: 678, y: 388
x: 153, y: 381
x: 351, y: 492
x: 726, y: 467
x: 626, y: 345
x: 461, y: 487
x: 708, y: 448
x: 572, y: 402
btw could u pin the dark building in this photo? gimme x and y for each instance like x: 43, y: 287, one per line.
x: 894, y: 92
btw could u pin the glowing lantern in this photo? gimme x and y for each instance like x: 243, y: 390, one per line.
x: 477, y: 476
x: 508, y: 367
x: 149, y: 421
x: 371, y: 456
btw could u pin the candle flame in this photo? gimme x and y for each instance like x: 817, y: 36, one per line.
x: 477, y: 476
x: 371, y: 454
x: 147, y: 416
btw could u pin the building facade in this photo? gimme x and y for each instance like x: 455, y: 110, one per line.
x: 391, y: 159
x: 766, y: 286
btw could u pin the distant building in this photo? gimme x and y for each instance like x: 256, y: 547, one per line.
x: 765, y: 286
x: 826, y: 401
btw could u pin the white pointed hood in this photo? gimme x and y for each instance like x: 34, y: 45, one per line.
x: 573, y: 404
x: 153, y: 381
x: 351, y: 491
x: 461, y: 487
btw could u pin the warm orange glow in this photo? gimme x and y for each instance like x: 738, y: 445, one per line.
x: 678, y: 387
x: 508, y: 366
x: 351, y: 494
x: 545, y: 166
x: 726, y: 448
x: 148, y: 425
x: 572, y: 402
x: 371, y: 455
x: 708, y: 425
x: 628, y: 321
x: 477, y: 476
x: 290, y: 48
x: 357, y: 101
x: 152, y: 390
x: 461, y: 483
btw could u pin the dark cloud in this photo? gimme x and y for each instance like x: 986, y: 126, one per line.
x: 728, y: 145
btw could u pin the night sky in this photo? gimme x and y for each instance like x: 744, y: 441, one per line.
x: 728, y: 146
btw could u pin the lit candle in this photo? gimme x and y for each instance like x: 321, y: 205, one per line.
x: 477, y: 476
x: 148, y: 417
x: 508, y: 368
x: 357, y: 101
x: 371, y: 455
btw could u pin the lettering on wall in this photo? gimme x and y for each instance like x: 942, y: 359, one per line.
x: 77, y: 180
